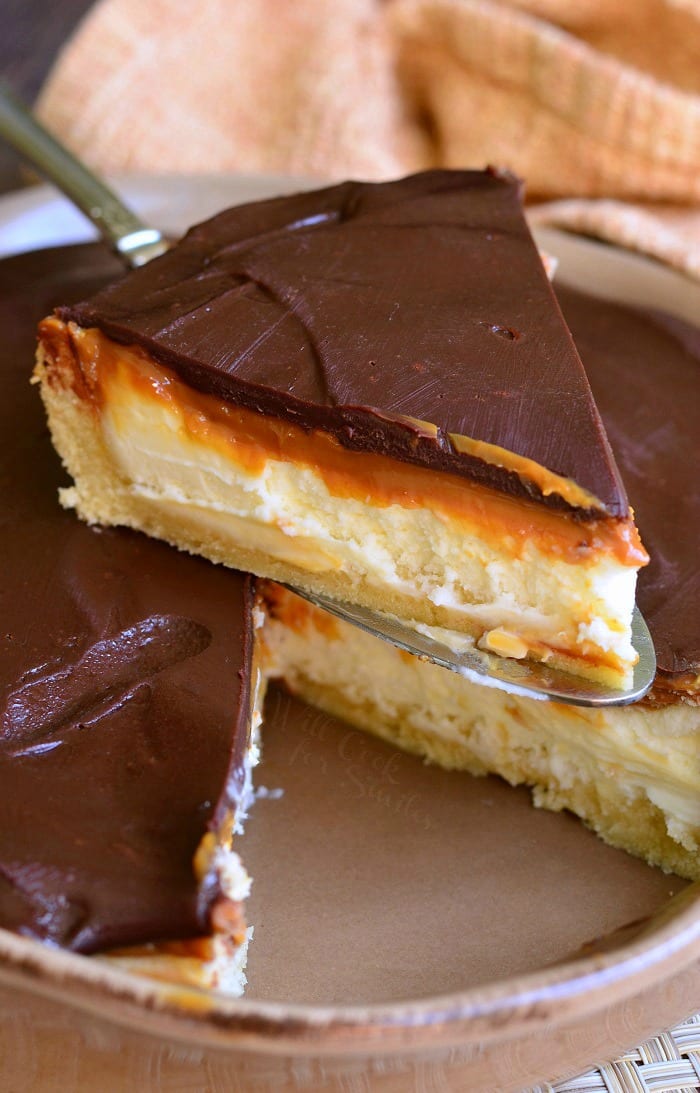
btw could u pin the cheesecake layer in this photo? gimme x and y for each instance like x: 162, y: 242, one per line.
x: 130, y: 698
x: 437, y: 548
x: 632, y: 774
x: 403, y: 352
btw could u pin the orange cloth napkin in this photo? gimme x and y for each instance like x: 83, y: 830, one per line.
x: 596, y: 103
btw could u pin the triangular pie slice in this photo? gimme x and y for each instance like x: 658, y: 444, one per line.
x: 368, y: 391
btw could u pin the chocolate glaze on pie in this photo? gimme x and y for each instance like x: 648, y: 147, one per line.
x: 98, y: 824
x: 124, y: 683
x: 351, y: 308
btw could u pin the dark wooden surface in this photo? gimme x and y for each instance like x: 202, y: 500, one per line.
x: 31, y: 35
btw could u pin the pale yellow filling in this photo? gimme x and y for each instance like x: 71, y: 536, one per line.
x: 632, y: 773
x: 287, y: 511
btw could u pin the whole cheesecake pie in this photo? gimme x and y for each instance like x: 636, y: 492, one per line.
x: 133, y: 676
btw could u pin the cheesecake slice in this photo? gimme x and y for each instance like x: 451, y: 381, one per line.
x: 367, y: 391
x: 631, y: 773
x: 130, y: 699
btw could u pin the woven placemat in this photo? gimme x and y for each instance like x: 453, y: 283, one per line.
x: 669, y: 1063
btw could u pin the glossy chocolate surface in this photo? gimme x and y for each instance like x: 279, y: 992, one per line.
x: 123, y: 683
x: 98, y: 825
x: 354, y: 306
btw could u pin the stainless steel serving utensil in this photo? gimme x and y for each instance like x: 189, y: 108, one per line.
x: 135, y: 243
x: 522, y: 677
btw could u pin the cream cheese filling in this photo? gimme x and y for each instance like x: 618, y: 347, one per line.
x: 634, y: 750
x: 286, y: 511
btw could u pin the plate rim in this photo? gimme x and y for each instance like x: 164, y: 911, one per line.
x: 547, y: 997
x: 544, y: 997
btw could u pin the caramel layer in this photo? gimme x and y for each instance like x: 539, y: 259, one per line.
x: 105, y: 367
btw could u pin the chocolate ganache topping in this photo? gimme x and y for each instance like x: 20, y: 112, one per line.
x: 124, y: 685
x: 357, y: 307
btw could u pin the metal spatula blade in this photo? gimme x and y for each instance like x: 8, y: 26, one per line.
x: 528, y: 679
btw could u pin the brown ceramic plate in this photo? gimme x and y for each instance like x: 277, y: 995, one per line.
x: 414, y: 929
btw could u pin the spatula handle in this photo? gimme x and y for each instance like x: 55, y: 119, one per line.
x: 132, y: 240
